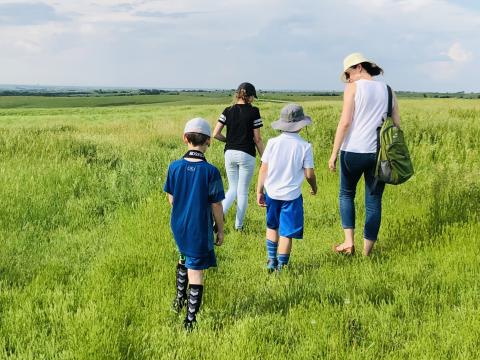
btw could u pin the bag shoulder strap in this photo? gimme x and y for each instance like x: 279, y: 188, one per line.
x: 390, y: 100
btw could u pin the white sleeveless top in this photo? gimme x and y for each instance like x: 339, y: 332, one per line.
x: 371, y: 101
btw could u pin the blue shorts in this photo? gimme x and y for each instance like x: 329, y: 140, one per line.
x: 286, y: 216
x: 199, y: 263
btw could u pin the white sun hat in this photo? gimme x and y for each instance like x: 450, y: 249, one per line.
x: 352, y: 60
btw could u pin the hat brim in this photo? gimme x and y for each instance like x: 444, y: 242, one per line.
x: 291, y: 126
x: 198, y: 131
x: 343, y: 76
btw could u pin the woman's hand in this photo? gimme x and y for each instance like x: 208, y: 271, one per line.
x: 332, y: 163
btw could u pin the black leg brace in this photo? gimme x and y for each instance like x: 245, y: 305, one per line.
x: 182, y: 282
x: 193, y: 306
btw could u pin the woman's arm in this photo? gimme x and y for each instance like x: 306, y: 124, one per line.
x: 257, y: 139
x: 217, y: 132
x: 344, y: 123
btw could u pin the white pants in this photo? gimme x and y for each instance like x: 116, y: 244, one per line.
x: 239, y: 167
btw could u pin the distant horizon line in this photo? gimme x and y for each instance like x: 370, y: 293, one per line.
x: 93, y: 87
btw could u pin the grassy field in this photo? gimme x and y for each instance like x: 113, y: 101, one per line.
x: 180, y: 98
x: 87, y: 260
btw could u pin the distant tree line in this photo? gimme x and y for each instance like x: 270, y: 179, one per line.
x: 156, y: 92
x: 200, y: 92
x: 439, y: 95
x: 41, y: 93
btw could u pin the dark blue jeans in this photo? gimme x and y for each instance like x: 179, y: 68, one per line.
x: 352, y: 166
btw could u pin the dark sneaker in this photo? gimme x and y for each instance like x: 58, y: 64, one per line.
x: 272, y: 265
x: 189, y: 325
x: 178, y: 304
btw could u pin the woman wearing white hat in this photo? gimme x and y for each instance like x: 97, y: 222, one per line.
x: 364, y: 107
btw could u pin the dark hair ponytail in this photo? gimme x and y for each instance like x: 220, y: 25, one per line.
x: 241, y: 94
x: 372, y: 69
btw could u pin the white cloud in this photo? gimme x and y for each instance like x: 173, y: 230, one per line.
x: 458, y: 54
x: 392, y: 8
x: 440, y: 71
x: 26, y: 46
x: 448, y: 70
x: 277, y: 43
x: 87, y: 29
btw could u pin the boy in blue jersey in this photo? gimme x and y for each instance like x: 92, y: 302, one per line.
x: 195, y: 191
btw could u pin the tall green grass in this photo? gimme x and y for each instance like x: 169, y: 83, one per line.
x: 87, y: 258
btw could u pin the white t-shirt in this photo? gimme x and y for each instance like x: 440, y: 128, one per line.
x: 286, y: 155
x: 371, y: 101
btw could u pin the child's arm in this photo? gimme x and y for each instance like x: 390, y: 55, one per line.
x: 217, y: 132
x: 170, y: 199
x: 262, y: 175
x: 217, y: 210
x: 311, y: 179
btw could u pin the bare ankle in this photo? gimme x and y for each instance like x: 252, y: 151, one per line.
x: 368, y: 247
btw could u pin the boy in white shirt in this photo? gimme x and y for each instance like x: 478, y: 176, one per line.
x: 286, y: 161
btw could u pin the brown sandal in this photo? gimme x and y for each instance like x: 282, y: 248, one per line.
x: 345, y: 251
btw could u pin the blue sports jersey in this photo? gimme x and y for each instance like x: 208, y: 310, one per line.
x: 194, y: 187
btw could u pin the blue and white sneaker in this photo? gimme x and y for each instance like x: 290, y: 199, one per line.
x: 272, y: 265
x: 281, y: 267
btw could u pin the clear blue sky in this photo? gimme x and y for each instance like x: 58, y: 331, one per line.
x: 423, y: 45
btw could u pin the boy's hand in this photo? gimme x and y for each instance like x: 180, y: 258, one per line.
x: 312, y: 180
x: 261, y: 200
x: 219, y: 240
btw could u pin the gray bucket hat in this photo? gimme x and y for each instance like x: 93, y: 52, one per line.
x: 291, y: 119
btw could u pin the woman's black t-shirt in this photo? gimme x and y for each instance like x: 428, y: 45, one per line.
x: 240, y: 120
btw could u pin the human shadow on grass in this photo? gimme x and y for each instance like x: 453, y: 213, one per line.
x: 268, y: 302
x: 301, y: 295
x: 289, y: 293
x: 450, y: 204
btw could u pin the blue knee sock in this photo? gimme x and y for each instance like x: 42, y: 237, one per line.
x: 283, y: 260
x: 272, y: 253
x: 271, y: 249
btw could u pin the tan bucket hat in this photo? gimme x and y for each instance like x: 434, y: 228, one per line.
x: 352, y: 60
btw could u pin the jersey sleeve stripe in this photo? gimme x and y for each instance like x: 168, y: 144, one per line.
x: 257, y: 123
